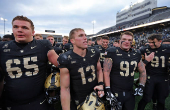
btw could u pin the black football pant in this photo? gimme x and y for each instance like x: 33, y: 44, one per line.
x: 127, y: 100
x: 159, y: 84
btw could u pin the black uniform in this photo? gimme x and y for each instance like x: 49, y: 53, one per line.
x: 122, y: 74
x: 83, y: 73
x: 68, y: 47
x: 157, y: 77
x: 24, y: 66
x: 60, y: 45
x: 49, y: 66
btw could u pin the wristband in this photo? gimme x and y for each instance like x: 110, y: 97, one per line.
x: 108, y: 87
x: 142, y: 84
x: 101, y: 83
x: 145, y: 62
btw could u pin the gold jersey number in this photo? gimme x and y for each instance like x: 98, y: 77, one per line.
x: 81, y: 71
x: 126, y: 68
x: 10, y: 69
x: 155, y: 62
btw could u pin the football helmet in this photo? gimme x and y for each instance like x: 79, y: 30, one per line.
x: 92, y: 102
x: 133, y: 43
x: 52, y: 88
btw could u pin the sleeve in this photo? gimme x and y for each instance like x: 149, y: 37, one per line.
x: 63, y: 61
x: 58, y: 50
x: 48, y: 45
x: 97, y: 52
x: 109, y: 52
x: 142, y: 51
x: 140, y: 55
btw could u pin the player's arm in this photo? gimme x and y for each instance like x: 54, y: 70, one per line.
x: 99, y: 71
x: 142, y: 73
x: 100, y: 80
x: 107, y: 65
x: 65, y: 88
x: 52, y: 57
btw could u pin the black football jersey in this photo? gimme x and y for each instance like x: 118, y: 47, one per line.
x: 58, y: 50
x: 68, y: 47
x: 24, y: 66
x: 60, y: 45
x: 102, y: 54
x: 1, y: 75
x: 124, y: 64
x: 83, y: 72
x: 159, y: 64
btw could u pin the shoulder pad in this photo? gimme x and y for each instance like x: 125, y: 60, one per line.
x: 93, y: 49
x: 136, y: 51
x: 166, y: 46
x: 63, y: 59
x: 111, y: 49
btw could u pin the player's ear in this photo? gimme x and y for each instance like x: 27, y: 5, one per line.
x: 33, y: 33
x: 72, y: 41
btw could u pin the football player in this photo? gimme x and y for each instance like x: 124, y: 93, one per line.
x: 98, y: 41
x: 38, y: 37
x: 62, y: 46
x: 80, y: 71
x: 119, y: 66
x: 156, y: 60
x: 105, y: 42
x: 116, y: 43
x: 89, y: 42
x: 24, y: 61
x: 68, y: 46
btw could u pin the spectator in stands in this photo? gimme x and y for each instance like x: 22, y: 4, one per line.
x: 38, y: 37
x: 7, y: 37
x: 116, y: 43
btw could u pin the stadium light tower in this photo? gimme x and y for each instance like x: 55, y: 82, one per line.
x: 4, y: 23
x: 93, y: 25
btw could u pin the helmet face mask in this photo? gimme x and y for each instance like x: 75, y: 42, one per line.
x: 53, y: 96
x: 52, y: 88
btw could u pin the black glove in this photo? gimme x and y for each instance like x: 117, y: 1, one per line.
x: 109, y: 96
x: 112, y: 100
x: 139, y: 90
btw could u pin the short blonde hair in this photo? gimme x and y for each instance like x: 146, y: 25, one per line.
x: 50, y: 36
x: 38, y: 35
x: 66, y: 37
x: 73, y: 31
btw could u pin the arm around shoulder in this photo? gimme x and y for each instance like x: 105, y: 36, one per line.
x: 52, y: 57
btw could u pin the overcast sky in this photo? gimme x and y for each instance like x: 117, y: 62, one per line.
x: 64, y: 15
